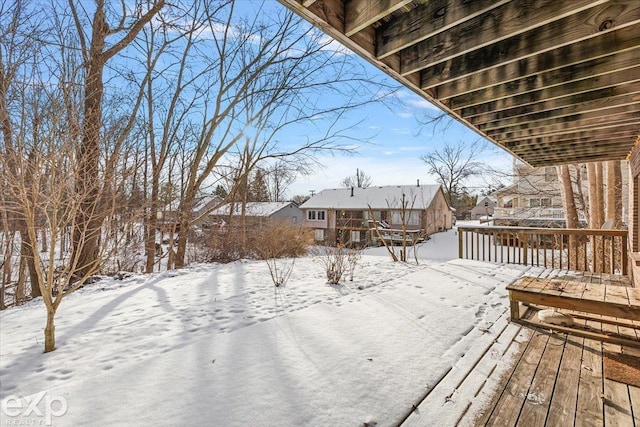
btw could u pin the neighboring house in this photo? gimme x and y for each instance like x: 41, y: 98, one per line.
x: 535, y: 198
x: 202, y: 211
x: 169, y: 215
x: 351, y: 215
x: 484, y: 208
x: 259, y: 213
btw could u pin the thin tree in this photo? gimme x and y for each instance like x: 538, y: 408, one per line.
x: 17, y: 53
x: 614, y: 193
x: 359, y: 180
x: 571, y: 213
x: 278, y: 178
x: 453, y: 165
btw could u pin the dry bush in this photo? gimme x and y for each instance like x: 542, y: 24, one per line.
x: 281, y: 240
x: 335, y: 262
x: 224, y: 247
x: 353, y: 258
x: 279, y: 244
x: 274, y: 240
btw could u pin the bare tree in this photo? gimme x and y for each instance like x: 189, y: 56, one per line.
x: 266, y: 75
x: 278, y: 178
x: 359, y: 180
x: 40, y: 175
x: 17, y: 53
x: 453, y: 165
x: 168, y: 98
x: 595, y: 220
x: 96, y: 52
x: 60, y: 168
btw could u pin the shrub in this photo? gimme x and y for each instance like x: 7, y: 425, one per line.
x: 335, y: 262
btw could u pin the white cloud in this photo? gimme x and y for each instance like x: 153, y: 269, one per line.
x: 415, y: 101
x: 402, y: 131
x: 331, y: 45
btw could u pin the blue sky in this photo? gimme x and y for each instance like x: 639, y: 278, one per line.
x: 392, y: 157
x: 396, y: 140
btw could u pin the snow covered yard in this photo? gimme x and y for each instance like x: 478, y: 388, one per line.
x: 219, y: 345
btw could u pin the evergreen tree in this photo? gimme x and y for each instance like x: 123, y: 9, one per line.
x: 258, y: 191
x: 221, y: 192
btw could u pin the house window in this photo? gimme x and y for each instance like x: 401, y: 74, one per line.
x: 412, y: 218
x: 316, y: 215
x: 355, y: 236
x: 550, y: 174
x: 539, y: 202
x: 319, y: 234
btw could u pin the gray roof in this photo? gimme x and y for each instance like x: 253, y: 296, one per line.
x: 384, y: 197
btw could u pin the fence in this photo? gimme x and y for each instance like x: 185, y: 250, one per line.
x: 598, y: 251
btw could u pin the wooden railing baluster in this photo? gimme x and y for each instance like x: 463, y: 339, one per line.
x: 588, y: 250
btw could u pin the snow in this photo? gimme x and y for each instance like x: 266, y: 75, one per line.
x: 419, y: 197
x: 217, y: 344
x: 262, y: 209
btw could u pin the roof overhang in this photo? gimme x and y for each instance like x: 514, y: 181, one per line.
x: 550, y: 81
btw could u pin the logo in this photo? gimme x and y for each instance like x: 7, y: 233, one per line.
x: 38, y: 409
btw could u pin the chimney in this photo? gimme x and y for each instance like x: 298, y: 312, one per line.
x: 351, y: 191
x: 418, y: 183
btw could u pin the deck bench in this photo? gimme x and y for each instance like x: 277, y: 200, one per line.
x: 611, y: 300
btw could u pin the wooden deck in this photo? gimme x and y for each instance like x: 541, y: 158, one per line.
x: 531, y: 376
x: 559, y: 379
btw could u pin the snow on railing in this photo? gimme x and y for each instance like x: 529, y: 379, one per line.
x: 540, y: 212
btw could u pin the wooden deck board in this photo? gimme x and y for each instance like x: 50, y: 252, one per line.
x: 634, y: 395
x: 593, y: 293
x: 521, y: 340
x: 536, y: 405
x: 589, y: 405
x: 513, y: 397
x: 562, y: 410
x: 616, y: 295
x: 634, y: 295
x: 617, y: 406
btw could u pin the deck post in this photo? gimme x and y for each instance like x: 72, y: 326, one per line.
x: 515, y: 308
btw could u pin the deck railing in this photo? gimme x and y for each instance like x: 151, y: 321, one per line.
x: 353, y: 223
x: 539, y: 212
x: 598, y: 251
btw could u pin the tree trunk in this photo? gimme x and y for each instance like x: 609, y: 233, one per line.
x: 571, y: 213
x: 152, y: 224
x: 8, y: 257
x: 614, y: 193
x: 594, y: 221
x: 89, y: 217
x: 50, y: 331
x: 186, y: 207
x: 19, y: 294
x: 599, y: 195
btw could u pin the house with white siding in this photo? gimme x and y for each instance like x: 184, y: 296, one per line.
x: 359, y: 216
